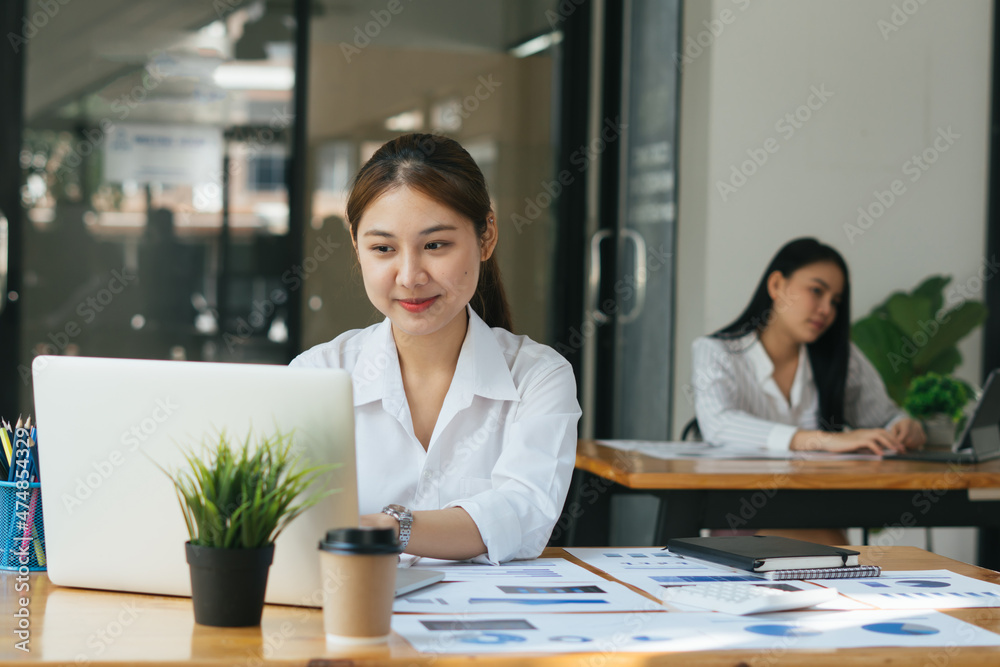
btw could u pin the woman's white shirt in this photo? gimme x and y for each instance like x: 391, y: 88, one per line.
x: 738, y: 402
x: 503, y: 447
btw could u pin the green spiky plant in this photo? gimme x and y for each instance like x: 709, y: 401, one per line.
x: 244, y: 496
x: 912, y: 334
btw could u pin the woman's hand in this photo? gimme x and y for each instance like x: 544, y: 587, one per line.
x: 909, y: 432
x: 874, y: 440
x: 380, y: 520
x: 450, y: 533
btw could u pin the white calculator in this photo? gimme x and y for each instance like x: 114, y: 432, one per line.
x: 744, y: 598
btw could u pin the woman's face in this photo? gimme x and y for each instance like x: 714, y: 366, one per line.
x: 806, y: 302
x: 420, y: 260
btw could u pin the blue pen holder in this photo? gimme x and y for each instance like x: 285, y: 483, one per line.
x: 22, y: 532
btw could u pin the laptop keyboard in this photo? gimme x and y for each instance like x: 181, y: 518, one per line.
x: 964, y: 456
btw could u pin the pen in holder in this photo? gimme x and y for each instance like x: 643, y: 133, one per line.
x: 22, y: 533
x: 21, y: 526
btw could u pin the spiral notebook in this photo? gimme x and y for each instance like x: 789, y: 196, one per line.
x: 775, y: 557
x: 850, y: 572
x: 764, y: 553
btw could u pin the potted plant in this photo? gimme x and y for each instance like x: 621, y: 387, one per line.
x: 938, y: 401
x: 236, y: 500
x: 913, y: 333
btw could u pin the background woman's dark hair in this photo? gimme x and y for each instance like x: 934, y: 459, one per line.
x: 829, y: 353
x: 441, y: 169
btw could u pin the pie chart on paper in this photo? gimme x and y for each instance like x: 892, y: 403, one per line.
x: 911, y: 629
x: 779, y: 630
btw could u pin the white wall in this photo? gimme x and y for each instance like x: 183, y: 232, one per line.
x: 890, y: 93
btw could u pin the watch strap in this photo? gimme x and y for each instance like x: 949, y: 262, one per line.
x: 405, y: 519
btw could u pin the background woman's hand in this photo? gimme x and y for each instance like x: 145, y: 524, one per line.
x: 909, y: 432
x: 865, y: 440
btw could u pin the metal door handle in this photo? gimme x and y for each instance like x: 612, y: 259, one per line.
x: 639, y: 274
x: 594, y: 279
x: 4, y: 243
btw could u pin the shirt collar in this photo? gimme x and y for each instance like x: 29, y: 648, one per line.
x: 490, y: 375
x: 482, y: 369
x: 761, y: 364
x: 377, y: 366
x: 763, y: 367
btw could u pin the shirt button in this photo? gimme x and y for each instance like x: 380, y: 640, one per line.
x: 428, y: 475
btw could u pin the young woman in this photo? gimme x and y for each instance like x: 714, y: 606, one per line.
x: 785, y: 375
x: 466, y: 433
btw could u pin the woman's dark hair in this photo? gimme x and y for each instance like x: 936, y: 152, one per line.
x: 829, y: 353
x: 441, y: 169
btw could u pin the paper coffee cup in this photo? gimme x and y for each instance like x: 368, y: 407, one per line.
x: 358, y: 570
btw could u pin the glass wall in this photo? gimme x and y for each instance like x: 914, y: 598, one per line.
x: 480, y: 72
x: 156, y: 160
x: 154, y: 182
x: 647, y: 222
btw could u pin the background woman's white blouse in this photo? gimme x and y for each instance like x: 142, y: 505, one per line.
x: 738, y: 402
x: 503, y: 447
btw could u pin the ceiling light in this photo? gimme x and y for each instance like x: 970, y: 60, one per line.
x: 234, y: 76
x: 408, y: 121
x: 536, y: 44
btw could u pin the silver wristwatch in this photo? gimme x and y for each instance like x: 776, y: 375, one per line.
x: 405, y: 519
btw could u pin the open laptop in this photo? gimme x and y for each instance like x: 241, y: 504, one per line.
x: 112, y: 518
x: 980, y: 439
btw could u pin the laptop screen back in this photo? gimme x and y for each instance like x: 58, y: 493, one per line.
x: 112, y: 518
x: 982, y: 432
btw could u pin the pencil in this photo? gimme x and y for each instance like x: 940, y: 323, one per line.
x: 8, y: 450
x: 14, y: 446
x: 39, y: 548
x: 34, y: 471
x: 5, y: 454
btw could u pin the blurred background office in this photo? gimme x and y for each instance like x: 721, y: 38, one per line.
x: 203, y: 151
x: 173, y: 174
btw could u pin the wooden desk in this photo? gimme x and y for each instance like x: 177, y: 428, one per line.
x: 91, y: 628
x: 789, y: 493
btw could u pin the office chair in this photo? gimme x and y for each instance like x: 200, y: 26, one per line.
x: 691, y: 429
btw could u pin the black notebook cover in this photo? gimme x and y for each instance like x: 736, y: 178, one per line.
x: 761, y: 553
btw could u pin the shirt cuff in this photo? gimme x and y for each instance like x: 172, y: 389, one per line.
x: 780, y: 437
x: 493, y: 516
x: 901, y: 416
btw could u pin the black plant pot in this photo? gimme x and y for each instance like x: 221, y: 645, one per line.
x: 228, y: 585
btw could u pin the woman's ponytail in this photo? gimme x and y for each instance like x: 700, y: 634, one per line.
x: 490, y: 299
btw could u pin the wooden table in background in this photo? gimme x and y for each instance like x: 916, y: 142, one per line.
x: 70, y: 626
x: 784, y: 493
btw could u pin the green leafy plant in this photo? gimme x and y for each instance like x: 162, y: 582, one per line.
x: 933, y: 394
x: 244, y: 497
x: 911, y: 334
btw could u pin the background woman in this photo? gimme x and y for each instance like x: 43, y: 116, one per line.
x: 466, y: 433
x: 784, y: 375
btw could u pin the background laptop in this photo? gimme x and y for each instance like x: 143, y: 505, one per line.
x: 112, y: 519
x: 980, y: 439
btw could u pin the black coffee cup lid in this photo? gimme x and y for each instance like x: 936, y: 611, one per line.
x: 363, y: 540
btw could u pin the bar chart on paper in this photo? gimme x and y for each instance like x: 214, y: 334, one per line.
x: 921, y: 589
